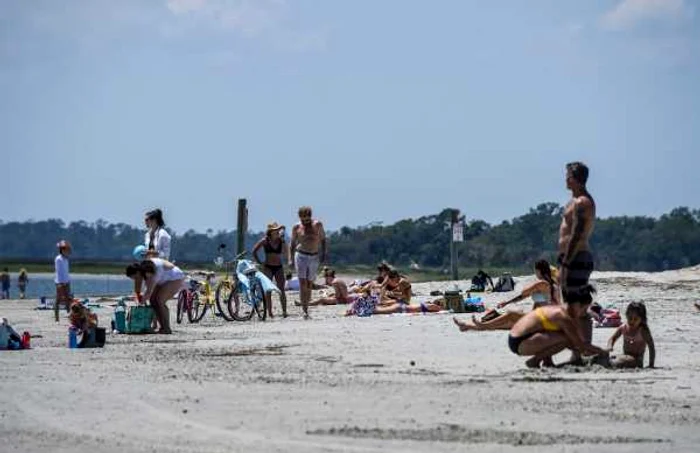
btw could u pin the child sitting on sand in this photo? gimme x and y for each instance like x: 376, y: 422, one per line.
x: 636, y: 336
x: 81, y: 318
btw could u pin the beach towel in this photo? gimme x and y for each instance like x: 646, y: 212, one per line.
x: 245, y: 267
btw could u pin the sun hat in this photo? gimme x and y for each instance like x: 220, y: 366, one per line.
x: 139, y: 252
x: 274, y: 226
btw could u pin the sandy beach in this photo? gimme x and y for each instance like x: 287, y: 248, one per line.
x: 385, y: 383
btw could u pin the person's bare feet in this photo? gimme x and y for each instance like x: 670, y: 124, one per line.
x: 164, y: 332
x: 463, y: 326
x: 533, y: 362
x: 477, y: 323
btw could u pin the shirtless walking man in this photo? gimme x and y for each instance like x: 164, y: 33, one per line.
x: 307, y: 246
x: 575, y: 259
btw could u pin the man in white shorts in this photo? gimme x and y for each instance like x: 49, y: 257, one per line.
x: 306, y: 252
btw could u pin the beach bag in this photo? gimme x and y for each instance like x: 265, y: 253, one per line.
x: 474, y: 305
x: 453, y: 301
x: 94, y: 338
x: 504, y: 284
x: 478, y: 285
x: 139, y: 319
x: 609, y: 317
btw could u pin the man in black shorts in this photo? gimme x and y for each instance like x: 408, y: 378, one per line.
x: 575, y: 259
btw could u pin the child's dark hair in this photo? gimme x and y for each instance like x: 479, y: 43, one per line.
x: 393, y: 273
x: 546, y: 272
x: 156, y: 215
x: 328, y: 272
x: 639, y: 309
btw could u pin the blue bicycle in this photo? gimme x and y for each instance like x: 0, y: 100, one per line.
x: 247, y: 296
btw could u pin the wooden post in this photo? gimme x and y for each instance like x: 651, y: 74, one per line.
x: 242, y: 225
x: 453, y: 244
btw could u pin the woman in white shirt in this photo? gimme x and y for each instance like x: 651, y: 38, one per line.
x: 157, y: 240
x: 163, y: 281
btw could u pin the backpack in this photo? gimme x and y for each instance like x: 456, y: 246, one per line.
x: 504, y: 284
x: 609, y: 317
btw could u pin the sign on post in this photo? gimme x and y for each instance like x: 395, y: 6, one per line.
x: 458, y: 232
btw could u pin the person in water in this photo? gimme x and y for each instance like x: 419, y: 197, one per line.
x: 22, y: 281
x: 548, y: 330
x: 637, y: 337
x: 275, y: 248
x: 544, y: 291
x: 163, y: 281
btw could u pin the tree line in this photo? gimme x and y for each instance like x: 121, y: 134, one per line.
x: 620, y: 243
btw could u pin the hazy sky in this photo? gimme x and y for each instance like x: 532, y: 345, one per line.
x: 367, y: 110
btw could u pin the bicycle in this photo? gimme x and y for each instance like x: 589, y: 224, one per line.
x: 225, y: 285
x: 196, y: 299
x: 247, y: 295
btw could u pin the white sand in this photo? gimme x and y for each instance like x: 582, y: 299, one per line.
x: 347, y: 384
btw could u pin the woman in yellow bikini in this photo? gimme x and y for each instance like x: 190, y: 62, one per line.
x: 549, y: 330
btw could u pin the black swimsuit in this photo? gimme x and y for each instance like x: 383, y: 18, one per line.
x: 269, y: 249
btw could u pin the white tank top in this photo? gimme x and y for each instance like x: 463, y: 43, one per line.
x: 163, y: 275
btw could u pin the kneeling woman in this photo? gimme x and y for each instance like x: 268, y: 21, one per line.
x: 551, y: 329
x: 163, y: 281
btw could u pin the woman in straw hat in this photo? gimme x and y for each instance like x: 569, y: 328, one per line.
x: 275, y: 248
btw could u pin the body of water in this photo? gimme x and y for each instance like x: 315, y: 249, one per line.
x: 82, y: 285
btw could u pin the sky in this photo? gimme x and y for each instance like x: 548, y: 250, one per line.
x: 368, y: 111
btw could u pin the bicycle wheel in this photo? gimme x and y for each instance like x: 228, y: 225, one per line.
x: 196, y: 308
x: 259, y: 298
x: 240, y: 304
x: 222, y: 294
x: 181, y: 305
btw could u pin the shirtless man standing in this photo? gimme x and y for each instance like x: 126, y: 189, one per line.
x: 308, y: 242
x: 575, y: 258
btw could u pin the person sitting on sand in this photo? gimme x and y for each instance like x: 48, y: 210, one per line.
x: 396, y: 288
x: 360, y: 287
x: 544, y: 291
x: 81, y: 318
x: 340, y: 291
x: 163, y: 281
x: 637, y: 337
x: 548, y: 330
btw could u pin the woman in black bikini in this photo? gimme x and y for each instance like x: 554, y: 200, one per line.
x: 275, y: 248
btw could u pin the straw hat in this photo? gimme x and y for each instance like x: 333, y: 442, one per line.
x: 274, y: 226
